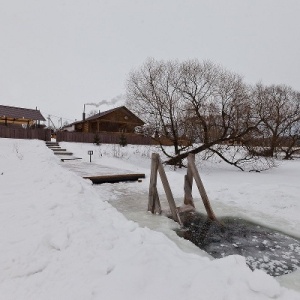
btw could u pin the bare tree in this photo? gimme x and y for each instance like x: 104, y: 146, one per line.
x: 278, y: 107
x: 199, y: 102
x: 153, y: 94
x: 220, y: 109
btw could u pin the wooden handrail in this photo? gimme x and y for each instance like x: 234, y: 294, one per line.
x: 196, y: 175
x: 153, y: 199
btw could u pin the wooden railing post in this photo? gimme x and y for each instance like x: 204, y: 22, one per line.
x: 188, y: 185
x: 153, y: 199
x: 170, y: 198
x: 201, y: 188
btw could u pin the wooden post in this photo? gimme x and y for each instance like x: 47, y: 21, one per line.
x: 153, y: 199
x: 201, y: 188
x: 168, y: 192
x: 188, y: 184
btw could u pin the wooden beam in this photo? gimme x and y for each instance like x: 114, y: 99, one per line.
x: 201, y: 188
x: 168, y: 192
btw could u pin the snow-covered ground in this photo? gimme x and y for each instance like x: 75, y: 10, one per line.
x: 62, y: 239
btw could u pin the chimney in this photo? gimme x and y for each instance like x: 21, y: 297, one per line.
x: 83, y: 114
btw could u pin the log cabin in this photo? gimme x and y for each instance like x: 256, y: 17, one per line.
x: 119, y: 119
x: 20, y: 117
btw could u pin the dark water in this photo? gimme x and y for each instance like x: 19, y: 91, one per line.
x: 265, y: 249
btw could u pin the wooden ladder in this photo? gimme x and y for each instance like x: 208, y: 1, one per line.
x: 154, y: 205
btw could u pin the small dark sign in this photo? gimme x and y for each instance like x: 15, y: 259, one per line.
x: 90, y: 153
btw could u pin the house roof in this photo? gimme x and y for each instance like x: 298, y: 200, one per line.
x: 104, y: 113
x: 20, y: 113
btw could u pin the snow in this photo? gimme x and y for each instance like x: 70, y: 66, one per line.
x: 62, y: 239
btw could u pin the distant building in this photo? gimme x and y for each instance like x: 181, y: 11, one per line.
x: 118, y: 119
x: 17, y: 116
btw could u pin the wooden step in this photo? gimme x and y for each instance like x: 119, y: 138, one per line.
x: 62, y: 153
x: 52, y: 144
x: 74, y: 158
x: 114, y: 178
x: 58, y: 149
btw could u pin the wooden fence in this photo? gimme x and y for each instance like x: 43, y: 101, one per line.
x: 21, y: 133
x: 104, y: 138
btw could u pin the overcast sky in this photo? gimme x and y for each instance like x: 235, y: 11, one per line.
x: 59, y: 54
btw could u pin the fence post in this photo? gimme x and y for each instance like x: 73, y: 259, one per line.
x: 48, y: 135
x: 201, y: 188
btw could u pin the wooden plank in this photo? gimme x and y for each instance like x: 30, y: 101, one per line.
x: 201, y: 189
x: 114, y: 178
x: 168, y: 192
x: 74, y: 158
x: 186, y: 208
x: 62, y: 153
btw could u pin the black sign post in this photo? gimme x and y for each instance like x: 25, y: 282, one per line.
x: 90, y: 153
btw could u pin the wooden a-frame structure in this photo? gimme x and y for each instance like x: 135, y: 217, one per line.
x: 154, y: 205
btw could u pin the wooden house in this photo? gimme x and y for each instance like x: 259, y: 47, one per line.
x: 18, y: 117
x: 119, y: 119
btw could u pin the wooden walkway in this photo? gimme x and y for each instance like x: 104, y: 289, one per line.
x: 89, y: 170
x: 100, y: 174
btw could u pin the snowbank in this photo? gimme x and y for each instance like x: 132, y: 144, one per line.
x: 61, y: 240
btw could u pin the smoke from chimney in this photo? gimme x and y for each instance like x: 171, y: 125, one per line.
x: 112, y: 101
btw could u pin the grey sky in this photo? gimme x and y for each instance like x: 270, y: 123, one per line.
x: 59, y: 54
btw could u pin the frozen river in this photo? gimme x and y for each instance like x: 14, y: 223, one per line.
x: 134, y: 207
x: 132, y: 201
